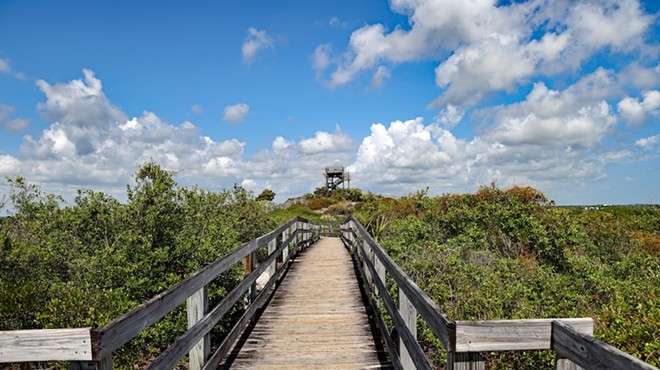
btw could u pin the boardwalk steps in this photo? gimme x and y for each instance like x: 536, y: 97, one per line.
x: 315, y: 320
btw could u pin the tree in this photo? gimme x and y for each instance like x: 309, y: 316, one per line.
x: 267, y: 195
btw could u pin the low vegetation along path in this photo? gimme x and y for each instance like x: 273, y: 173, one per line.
x: 316, y: 319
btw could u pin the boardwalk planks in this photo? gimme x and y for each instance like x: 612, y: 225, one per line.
x: 316, y: 319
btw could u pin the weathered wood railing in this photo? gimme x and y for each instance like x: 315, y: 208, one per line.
x: 92, y: 348
x: 571, y: 339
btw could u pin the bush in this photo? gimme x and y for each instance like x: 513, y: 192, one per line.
x: 510, y: 254
x: 90, y: 262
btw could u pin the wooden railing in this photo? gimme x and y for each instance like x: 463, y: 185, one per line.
x: 89, y: 348
x: 571, y: 339
x: 92, y: 348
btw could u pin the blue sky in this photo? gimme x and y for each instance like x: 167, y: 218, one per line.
x: 408, y: 94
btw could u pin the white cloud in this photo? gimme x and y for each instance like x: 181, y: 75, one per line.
x: 281, y: 144
x: 381, y: 75
x: 321, y: 57
x: 254, y: 42
x: 325, y: 142
x: 450, y: 116
x: 482, y: 47
x: 578, y: 115
x: 410, y: 155
x: 5, y: 68
x: 618, y: 24
x: 552, y: 138
x: 196, y: 109
x: 638, y: 111
x: 639, y: 76
x: 9, y: 165
x: 90, y: 143
x: 11, y: 124
x: 648, y: 142
x: 236, y: 113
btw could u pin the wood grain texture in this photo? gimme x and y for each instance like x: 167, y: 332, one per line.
x: 409, y: 315
x: 511, y: 335
x: 591, y: 353
x: 46, y: 345
x: 465, y: 361
x: 197, y: 305
x: 315, y: 320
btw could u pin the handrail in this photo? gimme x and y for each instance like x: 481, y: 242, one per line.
x: 591, y: 353
x: 463, y: 340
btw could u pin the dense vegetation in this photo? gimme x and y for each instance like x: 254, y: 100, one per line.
x: 90, y: 262
x: 511, y: 254
x: 494, y: 254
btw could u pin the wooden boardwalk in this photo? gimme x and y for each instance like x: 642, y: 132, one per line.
x: 315, y: 320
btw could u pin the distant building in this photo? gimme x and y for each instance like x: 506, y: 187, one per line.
x: 335, y: 176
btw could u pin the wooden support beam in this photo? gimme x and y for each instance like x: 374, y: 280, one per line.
x: 272, y: 245
x: 285, y: 251
x: 198, y: 306
x: 409, y: 315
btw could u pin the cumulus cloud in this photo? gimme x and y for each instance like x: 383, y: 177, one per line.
x: 90, y: 143
x: 550, y: 139
x: 255, y: 41
x: 578, y: 115
x: 236, y: 113
x: 406, y: 156
x: 11, y: 124
x: 9, y: 165
x: 637, y: 111
x: 325, y: 142
x: 485, y: 46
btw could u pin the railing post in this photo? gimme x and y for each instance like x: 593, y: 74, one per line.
x: 197, y: 306
x: 381, y: 272
x: 465, y: 361
x: 409, y: 315
x: 106, y: 363
x: 566, y: 364
x: 352, y: 235
x: 285, y: 251
x: 306, y: 237
x: 249, y: 263
x: 298, y: 236
x: 272, y: 246
x: 366, y: 255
